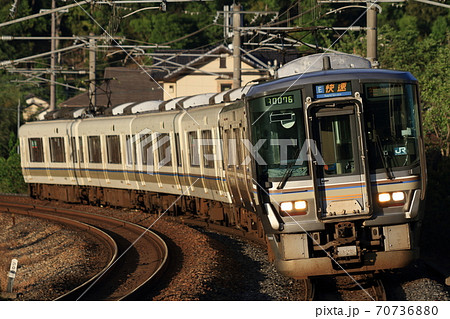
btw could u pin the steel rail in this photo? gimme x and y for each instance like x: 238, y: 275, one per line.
x: 156, y: 242
x: 107, y: 240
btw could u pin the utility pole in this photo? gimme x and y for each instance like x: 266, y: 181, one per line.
x: 18, y: 125
x: 53, y: 60
x: 372, y: 34
x: 236, y: 46
x: 92, y: 67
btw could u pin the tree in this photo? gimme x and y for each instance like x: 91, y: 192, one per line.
x: 11, y: 179
x: 436, y: 100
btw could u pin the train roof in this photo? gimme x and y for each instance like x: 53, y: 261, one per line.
x: 295, y: 81
x: 178, y: 103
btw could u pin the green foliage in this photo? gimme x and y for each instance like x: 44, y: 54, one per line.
x: 11, y: 179
x: 9, y: 98
x: 440, y: 28
x: 428, y: 61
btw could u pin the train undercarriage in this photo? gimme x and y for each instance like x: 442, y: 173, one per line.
x: 342, y: 247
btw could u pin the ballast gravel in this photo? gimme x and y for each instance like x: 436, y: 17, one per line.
x: 205, y: 265
x: 52, y: 259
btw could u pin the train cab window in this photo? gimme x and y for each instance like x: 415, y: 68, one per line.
x: 278, y: 121
x: 36, y: 150
x: 146, y: 148
x: 57, y: 150
x: 113, y: 149
x: 177, y: 149
x: 80, y: 145
x: 131, y: 149
x: 73, y: 149
x: 164, y: 150
x: 94, y: 149
x: 194, y: 158
x: 392, y: 122
x: 207, y: 149
x: 336, y: 144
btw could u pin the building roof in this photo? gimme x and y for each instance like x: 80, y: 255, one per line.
x: 136, y: 85
x: 125, y: 85
x: 204, y: 59
x: 177, y: 63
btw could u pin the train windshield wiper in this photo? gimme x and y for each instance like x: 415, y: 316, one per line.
x: 288, y: 171
x: 387, y: 169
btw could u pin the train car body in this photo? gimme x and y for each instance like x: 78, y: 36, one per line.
x: 327, y: 163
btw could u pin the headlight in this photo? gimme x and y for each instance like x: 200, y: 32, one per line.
x: 286, y: 206
x: 398, y: 196
x: 391, y: 199
x: 298, y: 207
x: 384, y: 197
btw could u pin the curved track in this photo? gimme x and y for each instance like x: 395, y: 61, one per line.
x: 142, y: 255
x: 360, y: 287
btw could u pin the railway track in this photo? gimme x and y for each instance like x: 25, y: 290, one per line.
x: 141, y: 255
x: 359, y: 287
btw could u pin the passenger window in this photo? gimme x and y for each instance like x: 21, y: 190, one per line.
x: 131, y: 149
x: 207, y: 149
x: 57, y: 150
x: 194, y: 159
x: 230, y: 145
x: 113, y: 149
x: 80, y: 145
x: 177, y: 149
x: 238, y: 145
x: 164, y: 151
x: 94, y: 148
x: 73, y: 148
x: 36, y: 150
x: 146, y: 148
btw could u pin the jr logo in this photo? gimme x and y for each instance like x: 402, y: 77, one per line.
x: 401, y: 150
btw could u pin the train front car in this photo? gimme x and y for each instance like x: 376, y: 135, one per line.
x: 339, y: 167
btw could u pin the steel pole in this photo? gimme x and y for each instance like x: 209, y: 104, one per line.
x: 92, y: 67
x: 236, y: 47
x: 372, y: 34
x: 53, y: 61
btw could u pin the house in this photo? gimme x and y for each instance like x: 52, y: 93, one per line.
x: 210, y: 72
x: 177, y: 73
x: 36, y: 108
x: 120, y: 85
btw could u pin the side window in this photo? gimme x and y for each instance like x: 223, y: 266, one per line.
x: 177, y: 149
x: 164, y: 150
x: 36, y: 150
x: 94, y: 149
x: 230, y: 145
x: 207, y: 149
x: 113, y: 149
x: 146, y: 148
x: 73, y: 148
x: 57, y: 150
x: 238, y: 143
x: 80, y: 145
x: 131, y: 149
x: 193, y: 149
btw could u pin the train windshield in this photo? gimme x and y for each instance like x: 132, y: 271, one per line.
x: 392, y: 119
x: 278, y: 131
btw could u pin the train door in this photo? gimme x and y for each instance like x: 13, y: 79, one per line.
x: 341, y: 178
x: 230, y: 158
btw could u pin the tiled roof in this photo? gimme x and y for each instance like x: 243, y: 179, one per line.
x: 126, y: 85
x: 134, y: 85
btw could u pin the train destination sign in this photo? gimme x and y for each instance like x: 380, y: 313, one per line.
x: 323, y: 91
x: 278, y: 100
